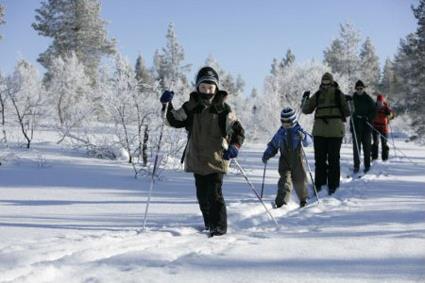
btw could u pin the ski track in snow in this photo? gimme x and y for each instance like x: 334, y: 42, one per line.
x: 67, y: 218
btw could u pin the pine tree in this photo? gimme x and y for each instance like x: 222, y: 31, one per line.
x: 289, y: 58
x: 75, y: 26
x: 234, y: 87
x: 278, y: 67
x: 2, y: 21
x: 275, y: 67
x: 143, y: 75
x: 168, y: 64
x: 417, y: 75
x: 146, y: 87
x: 370, y: 71
x: 388, y: 79
x: 342, y: 56
x: 409, y: 67
x: 333, y: 56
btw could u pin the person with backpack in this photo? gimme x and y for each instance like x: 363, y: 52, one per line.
x: 383, y: 116
x: 331, y: 110
x: 291, y: 167
x: 363, y: 114
x: 214, y: 137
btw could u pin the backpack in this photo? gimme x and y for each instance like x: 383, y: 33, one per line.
x: 338, y: 105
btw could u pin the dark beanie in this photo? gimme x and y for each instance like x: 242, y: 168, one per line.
x: 359, y: 83
x: 207, y: 75
x: 327, y: 77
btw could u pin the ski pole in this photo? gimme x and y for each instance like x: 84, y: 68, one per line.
x: 302, y: 104
x: 392, y: 138
x: 310, y: 173
x: 354, y: 129
x: 155, y: 165
x: 264, y: 178
x: 255, y: 191
x: 395, y: 148
x: 305, y: 156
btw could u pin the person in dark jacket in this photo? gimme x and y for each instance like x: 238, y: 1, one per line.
x: 291, y: 167
x: 363, y: 115
x: 214, y: 137
x: 383, y: 116
x: 331, y: 109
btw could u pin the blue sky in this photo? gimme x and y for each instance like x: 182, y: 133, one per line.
x: 244, y: 36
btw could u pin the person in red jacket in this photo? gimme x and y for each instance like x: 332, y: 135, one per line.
x: 383, y: 115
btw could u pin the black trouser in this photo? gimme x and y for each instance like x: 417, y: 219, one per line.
x: 384, y: 147
x: 326, y: 156
x: 363, y: 140
x: 211, y: 201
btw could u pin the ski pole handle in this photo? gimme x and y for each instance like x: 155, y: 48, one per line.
x: 264, y: 178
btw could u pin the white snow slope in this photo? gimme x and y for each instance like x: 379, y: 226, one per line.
x: 68, y: 218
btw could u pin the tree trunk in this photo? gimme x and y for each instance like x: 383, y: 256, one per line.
x: 145, y: 145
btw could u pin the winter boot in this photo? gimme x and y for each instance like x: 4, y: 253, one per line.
x: 282, y: 196
x: 374, y: 151
x: 385, y: 151
x: 331, y: 190
x: 217, y: 231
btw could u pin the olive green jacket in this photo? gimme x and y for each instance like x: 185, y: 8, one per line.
x: 211, y: 129
x: 331, y: 109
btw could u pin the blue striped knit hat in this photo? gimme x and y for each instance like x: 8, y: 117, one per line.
x: 288, y: 115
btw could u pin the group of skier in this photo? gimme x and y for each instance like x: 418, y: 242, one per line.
x: 215, y: 136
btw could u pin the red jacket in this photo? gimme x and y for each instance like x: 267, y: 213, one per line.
x: 383, y: 115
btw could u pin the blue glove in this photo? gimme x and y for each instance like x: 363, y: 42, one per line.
x: 231, y: 152
x: 166, y: 97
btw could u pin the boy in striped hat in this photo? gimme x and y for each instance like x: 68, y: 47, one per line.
x: 291, y: 167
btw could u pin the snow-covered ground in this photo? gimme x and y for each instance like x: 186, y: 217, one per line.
x: 68, y: 218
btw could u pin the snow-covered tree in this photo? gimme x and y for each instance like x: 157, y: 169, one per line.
x: 286, y: 89
x: 342, y: 56
x: 289, y: 58
x: 278, y: 66
x: 388, y: 80
x: 169, y: 68
x: 3, y: 101
x: 409, y: 67
x: 26, y: 95
x: 71, y: 96
x: 143, y: 75
x: 370, y: 71
x: 2, y: 21
x: 75, y: 26
x: 119, y: 103
x: 250, y: 118
x: 234, y: 87
x: 144, y: 102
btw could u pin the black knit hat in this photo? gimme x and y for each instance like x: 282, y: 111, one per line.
x: 288, y: 115
x: 359, y: 83
x: 207, y: 75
